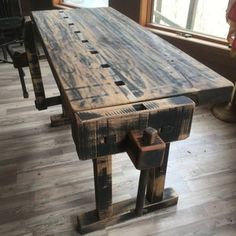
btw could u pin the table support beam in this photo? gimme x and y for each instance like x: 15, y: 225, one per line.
x: 102, y: 167
x: 34, y: 67
x: 141, y: 192
x: 122, y: 211
x: 156, y: 180
x: 106, y: 213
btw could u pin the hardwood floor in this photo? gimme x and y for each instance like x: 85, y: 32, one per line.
x: 43, y: 185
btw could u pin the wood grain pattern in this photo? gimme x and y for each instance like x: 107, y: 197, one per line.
x: 44, y: 186
x: 34, y: 66
x: 101, y: 58
x: 103, y: 186
x: 144, y: 153
x: 156, y: 180
x: 102, y: 132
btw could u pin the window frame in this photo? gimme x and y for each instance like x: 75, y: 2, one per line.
x: 146, y: 12
x: 61, y: 4
x: 145, y: 16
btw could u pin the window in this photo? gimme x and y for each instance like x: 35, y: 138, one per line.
x: 200, y: 16
x: 87, y: 3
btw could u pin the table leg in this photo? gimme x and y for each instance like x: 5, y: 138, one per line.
x: 34, y: 67
x: 102, y: 167
x: 141, y: 192
x: 156, y: 191
x: 156, y: 182
x: 107, y: 214
x: 41, y: 101
x: 60, y: 119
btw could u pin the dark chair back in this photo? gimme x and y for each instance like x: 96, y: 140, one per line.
x: 11, y: 31
x: 10, y: 8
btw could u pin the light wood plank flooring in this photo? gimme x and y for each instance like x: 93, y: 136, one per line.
x: 43, y: 185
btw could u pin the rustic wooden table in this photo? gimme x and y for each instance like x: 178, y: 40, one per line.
x: 116, y: 79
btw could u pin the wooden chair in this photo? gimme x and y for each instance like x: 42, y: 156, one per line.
x: 11, y: 32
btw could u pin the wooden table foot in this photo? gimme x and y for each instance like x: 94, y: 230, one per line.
x: 123, y: 211
x: 59, y: 120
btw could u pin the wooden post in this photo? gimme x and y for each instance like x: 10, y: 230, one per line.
x: 102, y: 167
x: 34, y: 67
x: 141, y: 192
x: 156, y: 181
x: 60, y: 119
x: 41, y: 101
x: 143, y: 150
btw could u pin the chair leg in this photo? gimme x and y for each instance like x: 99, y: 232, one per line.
x: 22, y: 80
x: 19, y: 68
x: 4, y: 51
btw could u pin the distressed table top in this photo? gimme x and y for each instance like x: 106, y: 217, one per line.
x: 100, y: 58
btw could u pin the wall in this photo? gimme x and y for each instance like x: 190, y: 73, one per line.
x: 41, y: 5
x: 130, y: 8
x: 32, y: 5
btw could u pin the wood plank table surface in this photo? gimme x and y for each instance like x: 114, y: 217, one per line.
x: 115, y: 77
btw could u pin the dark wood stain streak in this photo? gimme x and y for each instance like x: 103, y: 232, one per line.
x: 81, y: 65
x: 104, y: 131
x: 35, y: 70
x: 103, y: 186
x: 124, y: 40
x: 46, y: 204
x: 88, y: 47
x: 102, y: 61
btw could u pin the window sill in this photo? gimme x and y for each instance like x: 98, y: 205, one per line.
x: 171, y: 32
x: 64, y: 6
x: 187, y: 35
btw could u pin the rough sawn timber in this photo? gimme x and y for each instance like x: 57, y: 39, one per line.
x: 104, y: 131
x: 101, y: 58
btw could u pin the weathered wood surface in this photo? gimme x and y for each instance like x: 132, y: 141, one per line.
x: 156, y: 180
x: 103, y: 61
x: 102, y: 168
x: 123, y: 211
x: 100, y: 58
x: 34, y: 67
x: 104, y: 131
x: 145, y: 155
x: 44, y: 186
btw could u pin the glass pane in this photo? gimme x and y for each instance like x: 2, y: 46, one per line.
x: 210, y: 17
x: 88, y: 3
x: 202, y: 16
x: 171, y: 12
